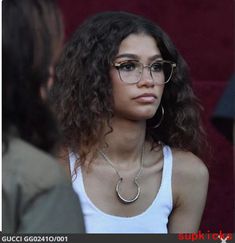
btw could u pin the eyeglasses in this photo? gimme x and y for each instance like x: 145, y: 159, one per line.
x: 131, y: 71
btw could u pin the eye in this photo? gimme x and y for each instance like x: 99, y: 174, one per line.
x: 127, y: 66
x: 157, y: 67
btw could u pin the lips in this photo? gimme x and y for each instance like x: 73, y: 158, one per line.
x: 146, y: 95
x: 146, y: 98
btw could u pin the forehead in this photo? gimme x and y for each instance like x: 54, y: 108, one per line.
x: 140, y: 45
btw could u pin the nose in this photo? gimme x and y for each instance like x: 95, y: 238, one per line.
x: 146, y: 78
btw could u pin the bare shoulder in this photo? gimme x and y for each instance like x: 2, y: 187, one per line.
x: 190, y: 179
x: 190, y: 174
x: 188, y: 165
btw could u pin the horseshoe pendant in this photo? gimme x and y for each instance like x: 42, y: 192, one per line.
x: 124, y: 200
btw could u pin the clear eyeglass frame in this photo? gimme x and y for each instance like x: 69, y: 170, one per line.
x: 170, y: 64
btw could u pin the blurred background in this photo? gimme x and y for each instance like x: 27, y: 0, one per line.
x: 204, y: 33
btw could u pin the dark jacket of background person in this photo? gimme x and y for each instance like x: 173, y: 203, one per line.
x: 223, y: 117
x: 37, y: 197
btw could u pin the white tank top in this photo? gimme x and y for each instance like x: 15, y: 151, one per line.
x: 153, y: 220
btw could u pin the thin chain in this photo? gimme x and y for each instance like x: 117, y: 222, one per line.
x: 112, y: 165
x: 120, y: 197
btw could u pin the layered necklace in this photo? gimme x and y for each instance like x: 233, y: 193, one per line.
x: 120, y: 197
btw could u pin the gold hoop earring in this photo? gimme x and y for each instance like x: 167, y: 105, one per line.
x: 162, y: 117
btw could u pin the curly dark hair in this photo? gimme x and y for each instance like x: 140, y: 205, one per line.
x: 31, y: 31
x: 82, y: 94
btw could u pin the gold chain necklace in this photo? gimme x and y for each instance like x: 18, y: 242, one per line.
x: 121, y: 198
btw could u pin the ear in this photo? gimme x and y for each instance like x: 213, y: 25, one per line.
x: 45, y: 88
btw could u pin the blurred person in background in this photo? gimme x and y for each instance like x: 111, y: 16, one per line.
x: 223, y: 117
x: 37, y: 196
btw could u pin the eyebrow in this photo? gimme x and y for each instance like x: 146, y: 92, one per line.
x: 133, y: 56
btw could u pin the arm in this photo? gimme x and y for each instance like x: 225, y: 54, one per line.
x: 190, y: 184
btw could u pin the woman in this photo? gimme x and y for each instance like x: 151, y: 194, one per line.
x: 37, y: 197
x: 131, y: 126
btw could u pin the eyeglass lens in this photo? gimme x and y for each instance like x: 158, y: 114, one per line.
x: 131, y: 71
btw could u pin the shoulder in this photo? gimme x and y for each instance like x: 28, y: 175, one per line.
x: 189, y: 186
x: 190, y: 174
x: 32, y: 165
x: 187, y: 164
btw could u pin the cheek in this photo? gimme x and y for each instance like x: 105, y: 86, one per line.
x: 120, y: 89
x: 159, y: 91
x: 121, y: 95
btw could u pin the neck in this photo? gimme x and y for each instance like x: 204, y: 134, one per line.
x: 124, y: 144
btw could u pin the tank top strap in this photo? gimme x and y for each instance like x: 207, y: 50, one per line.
x: 167, y: 171
x: 76, y: 177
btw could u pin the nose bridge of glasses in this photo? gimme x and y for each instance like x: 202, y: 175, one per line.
x: 149, y: 73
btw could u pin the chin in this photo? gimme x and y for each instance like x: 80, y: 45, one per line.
x: 147, y: 117
x: 140, y: 114
x: 144, y: 116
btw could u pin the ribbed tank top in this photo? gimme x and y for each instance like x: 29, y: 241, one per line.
x: 152, y: 221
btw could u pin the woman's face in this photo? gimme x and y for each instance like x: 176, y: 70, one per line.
x: 136, y: 101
